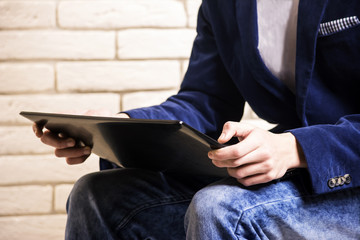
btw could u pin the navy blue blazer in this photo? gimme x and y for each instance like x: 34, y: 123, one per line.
x: 226, y: 69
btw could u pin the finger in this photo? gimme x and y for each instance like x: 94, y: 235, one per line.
x: 255, y: 179
x: 54, y: 140
x: 73, y: 152
x: 38, y: 129
x: 234, y: 152
x: 227, y: 133
x: 234, y: 129
x: 73, y: 161
x: 248, y: 170
x: 252, y: 157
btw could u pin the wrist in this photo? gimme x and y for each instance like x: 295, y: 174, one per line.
x: 297, y: 156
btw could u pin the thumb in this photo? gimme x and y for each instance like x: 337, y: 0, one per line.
x: 235, y: 129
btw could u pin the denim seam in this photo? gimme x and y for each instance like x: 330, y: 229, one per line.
x: 264, y: 204
x: 151, y: 204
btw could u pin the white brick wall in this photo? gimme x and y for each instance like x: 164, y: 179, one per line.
x: 61, y: 55
x: 114, y: 76
x: 26, y: 77
x: 33, y: 227
x: 57, y: 44
x: 25, y: 199
x: 155, y: 43
x: 121, y: 14
x: 27, y: 14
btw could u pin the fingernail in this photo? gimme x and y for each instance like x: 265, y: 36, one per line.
x: 70, y: 142
x: 61, y: 135
x: 222, y: 136
x: 87, y: 151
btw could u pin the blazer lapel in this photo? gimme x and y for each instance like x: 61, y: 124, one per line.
x: 310, y: 14
x: 309, y: 17
x: 246, y: 16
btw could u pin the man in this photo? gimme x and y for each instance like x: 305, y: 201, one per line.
x: 243, y: 52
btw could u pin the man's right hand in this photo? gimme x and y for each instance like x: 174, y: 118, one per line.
x: 65, y: 146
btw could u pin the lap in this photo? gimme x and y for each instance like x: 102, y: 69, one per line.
x: 133, y: 201
x: 146, y: 204
x: 275, y: 210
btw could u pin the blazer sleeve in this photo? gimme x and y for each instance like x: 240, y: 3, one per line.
x: 207, y: 97
x: 332, y: 152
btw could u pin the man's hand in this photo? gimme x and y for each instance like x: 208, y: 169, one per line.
x: 65, y: 146
x: 260, y: 156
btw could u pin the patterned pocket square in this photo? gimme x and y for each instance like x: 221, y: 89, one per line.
x: 338, y: 25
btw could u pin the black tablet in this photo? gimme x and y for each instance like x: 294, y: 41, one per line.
x: 159, y: 145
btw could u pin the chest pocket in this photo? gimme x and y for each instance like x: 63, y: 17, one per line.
x: 337, y: 59
x: 338, y: 25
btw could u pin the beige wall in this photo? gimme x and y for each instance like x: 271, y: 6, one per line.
x: 58, y: 55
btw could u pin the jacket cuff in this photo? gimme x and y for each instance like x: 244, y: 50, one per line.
x: 323, y: 165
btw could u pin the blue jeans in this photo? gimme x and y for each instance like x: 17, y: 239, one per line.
x: 139, y: 204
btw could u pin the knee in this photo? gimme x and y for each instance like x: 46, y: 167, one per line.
x: 87, y: 187
x: 208, y: 203
x: 212, y: 213
x: 106, y: 186
x: 221, y: 202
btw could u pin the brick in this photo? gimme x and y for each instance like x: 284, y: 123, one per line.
x: 117, y: 76
x: 121, y: 14
x: 20, y: 140
x: 61, y: 195
x: 192, y: 7
x: 145, y: 99
x: 33, y: 227
x: 49, y: 44
x: 27, y: 14
x: 155, y: 43
x: 25, y: 200
x: 11, y: 105
x: 185, y: 66
x: 38, y: 169
x: 26, y: 77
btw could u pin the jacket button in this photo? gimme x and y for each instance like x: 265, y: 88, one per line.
x: 347, y: 178
x: 337, y: 181
x: 332, y: 183
x: 341, y: 180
